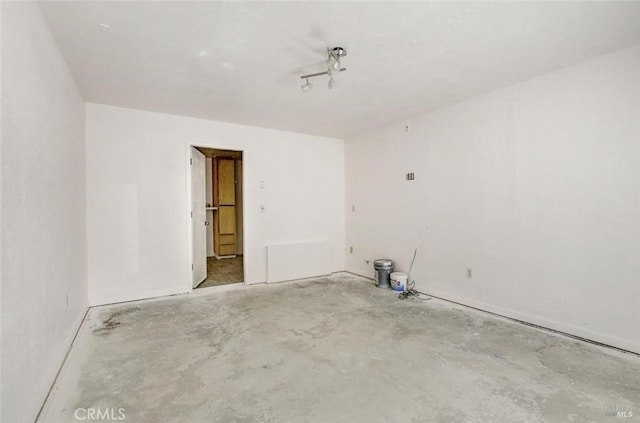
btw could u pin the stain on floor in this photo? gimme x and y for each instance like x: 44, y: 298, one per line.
x: 112, y: 321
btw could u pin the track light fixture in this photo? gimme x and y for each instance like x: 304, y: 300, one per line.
x: 333, y: 67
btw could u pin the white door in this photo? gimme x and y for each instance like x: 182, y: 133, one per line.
x: 198, y: 217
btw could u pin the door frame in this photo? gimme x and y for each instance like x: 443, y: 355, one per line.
x: 198, y: 217
x: 202, y: 144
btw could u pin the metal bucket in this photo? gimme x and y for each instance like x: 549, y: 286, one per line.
x: 383, y: 268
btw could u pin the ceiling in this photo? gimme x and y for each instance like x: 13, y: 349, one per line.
x: 240, y: 62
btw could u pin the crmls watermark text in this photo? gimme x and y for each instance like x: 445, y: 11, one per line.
x: 618, y: 410
x: 108, y: 414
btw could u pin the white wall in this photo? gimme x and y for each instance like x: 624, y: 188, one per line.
x: 43, y: 211
x: 534, y: 187
x: 137, y: 215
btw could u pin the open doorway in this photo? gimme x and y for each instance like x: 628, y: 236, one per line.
x: 217, y: 217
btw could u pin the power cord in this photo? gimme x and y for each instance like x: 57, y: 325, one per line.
x: 414, y: 293
x: 411, y: 291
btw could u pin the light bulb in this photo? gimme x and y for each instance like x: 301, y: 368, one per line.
x: 332, y: 82
x: 333, y: 64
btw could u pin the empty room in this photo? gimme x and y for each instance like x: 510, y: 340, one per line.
x: 320, y: 211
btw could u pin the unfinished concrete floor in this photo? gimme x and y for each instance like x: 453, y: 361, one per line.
x: 332, y: 349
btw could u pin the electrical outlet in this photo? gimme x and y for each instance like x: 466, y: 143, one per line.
x: 411, y: 176
x: 469, y: 273
x: 351, y: 250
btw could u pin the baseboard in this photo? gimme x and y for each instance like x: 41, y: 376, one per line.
x: 78, y: 326
x: 136, y: 297
x: 359, y: 274
x: 564, y: 328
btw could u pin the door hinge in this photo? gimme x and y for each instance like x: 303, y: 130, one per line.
x: 191, y: 266
x: 192, y: 213
x: 191, y: 162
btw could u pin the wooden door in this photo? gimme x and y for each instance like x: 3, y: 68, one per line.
x: 224, y: 198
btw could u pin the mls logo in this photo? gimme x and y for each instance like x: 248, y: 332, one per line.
x: 623, y: 411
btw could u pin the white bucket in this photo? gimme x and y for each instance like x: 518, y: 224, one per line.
x: 399, y: 281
